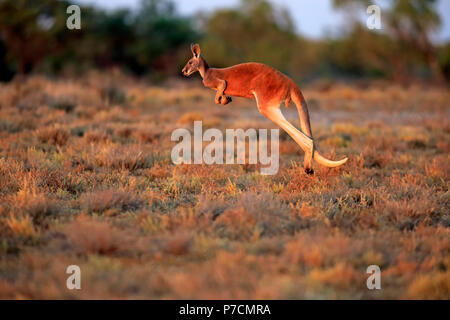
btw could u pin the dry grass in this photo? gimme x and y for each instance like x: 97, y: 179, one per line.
x: 86, y: 179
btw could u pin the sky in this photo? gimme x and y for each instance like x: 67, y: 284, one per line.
x: 313, y: 18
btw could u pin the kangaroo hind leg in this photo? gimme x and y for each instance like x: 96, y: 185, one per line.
x: 272, y: 112
x: 305, y: 126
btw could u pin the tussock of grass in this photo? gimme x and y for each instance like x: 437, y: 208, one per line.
x: 101, y: 201
x: 55, y: 136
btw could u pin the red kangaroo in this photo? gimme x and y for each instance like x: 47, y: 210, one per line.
x: 270, y: 88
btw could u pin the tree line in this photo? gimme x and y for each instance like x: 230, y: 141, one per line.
x: 153, y: 40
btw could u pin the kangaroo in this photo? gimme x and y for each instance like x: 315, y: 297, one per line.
x: 269, y: 88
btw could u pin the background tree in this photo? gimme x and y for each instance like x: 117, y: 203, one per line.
x: 161, y: 33
x: 410, y: 23
x: 30, y: 30
x: 33, y: 34
x: 254, y: 31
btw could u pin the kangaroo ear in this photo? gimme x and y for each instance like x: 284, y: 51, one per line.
x: 195, y: 48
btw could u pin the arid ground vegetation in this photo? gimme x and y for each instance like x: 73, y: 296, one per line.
x: 86, y: 179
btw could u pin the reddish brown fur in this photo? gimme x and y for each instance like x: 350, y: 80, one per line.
x: 270, y: 88
x: 244, y: 79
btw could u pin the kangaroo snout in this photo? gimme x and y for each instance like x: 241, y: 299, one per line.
x: 187, y: 71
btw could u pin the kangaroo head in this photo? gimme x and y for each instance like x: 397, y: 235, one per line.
x: 194, y: 63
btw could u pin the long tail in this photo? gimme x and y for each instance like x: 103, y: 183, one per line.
x: 300, y: 102
x: 326, y: 162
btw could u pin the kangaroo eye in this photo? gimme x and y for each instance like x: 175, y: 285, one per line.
x: 190, y: 62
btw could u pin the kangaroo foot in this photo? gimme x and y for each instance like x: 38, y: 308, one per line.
x: 225, y: 100
x: 307, y: 162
